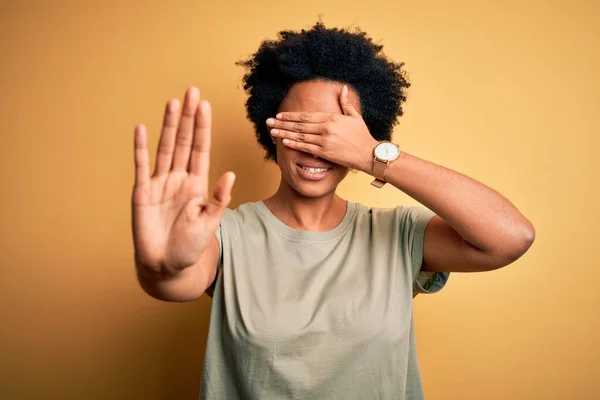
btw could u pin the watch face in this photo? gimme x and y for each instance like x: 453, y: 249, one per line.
x: 387, y: 151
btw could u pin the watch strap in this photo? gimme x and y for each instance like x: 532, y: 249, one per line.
x: 378, y: 183
x: 379, y: 169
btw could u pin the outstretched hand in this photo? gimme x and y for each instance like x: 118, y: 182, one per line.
x: 173, y: 216
x: 342, y: 139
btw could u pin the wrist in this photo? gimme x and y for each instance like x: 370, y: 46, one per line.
x: 367, y: 157
x: 384, y: 155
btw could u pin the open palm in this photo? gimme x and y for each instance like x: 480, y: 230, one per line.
x: 173, y: 217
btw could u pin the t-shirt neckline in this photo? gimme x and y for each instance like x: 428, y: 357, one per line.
x: 308, y: 236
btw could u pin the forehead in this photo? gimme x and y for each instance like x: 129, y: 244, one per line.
x: 317, y: 96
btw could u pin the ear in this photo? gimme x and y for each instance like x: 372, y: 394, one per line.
x: 347, y: 107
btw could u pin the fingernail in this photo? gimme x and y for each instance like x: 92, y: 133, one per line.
x: 192, y: 92
x: 279, y: 116
x: 204, y: 106
x: 271, y: 121
x: 274, y: 132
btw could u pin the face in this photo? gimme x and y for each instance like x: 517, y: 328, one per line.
x: 305, y: 174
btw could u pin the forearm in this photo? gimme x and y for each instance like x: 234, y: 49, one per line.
x: 183, y: 285
x: 166, y: 287
x: 481, y: 216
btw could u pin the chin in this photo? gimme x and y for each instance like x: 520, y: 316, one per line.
x: 314, y: 190
x: 312, y: 178
x: 317, y: 183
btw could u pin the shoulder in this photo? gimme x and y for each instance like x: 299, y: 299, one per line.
x: 402, y: 213
x: 244, y: 216
x: 242, y: 211
x: 404, y: 220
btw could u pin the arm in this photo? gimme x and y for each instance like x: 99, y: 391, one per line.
x: 174, y: 217
x: 185, y: 285
x: 476, y: 228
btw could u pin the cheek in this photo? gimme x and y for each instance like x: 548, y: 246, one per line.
x: 342, y: 172
x: 281, y: 155
x: 284, y: 155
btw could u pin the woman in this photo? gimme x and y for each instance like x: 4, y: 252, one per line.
x: 312, y: 293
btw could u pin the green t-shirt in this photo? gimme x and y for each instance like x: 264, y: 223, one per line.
x: 317, y: 315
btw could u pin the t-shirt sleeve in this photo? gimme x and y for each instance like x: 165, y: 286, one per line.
x: 219, y: 235
x: 415, y: 221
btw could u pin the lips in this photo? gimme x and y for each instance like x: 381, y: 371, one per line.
x: 316, y: 165
x: 314, y: 171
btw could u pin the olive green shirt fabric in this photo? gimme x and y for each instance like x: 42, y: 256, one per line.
x: 317, y: 315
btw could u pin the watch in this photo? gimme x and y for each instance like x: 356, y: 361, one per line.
x: 383, y: 154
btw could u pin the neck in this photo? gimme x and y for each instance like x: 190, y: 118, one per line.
x: 314, y: 214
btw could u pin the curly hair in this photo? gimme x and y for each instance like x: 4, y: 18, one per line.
x: 329, y: 54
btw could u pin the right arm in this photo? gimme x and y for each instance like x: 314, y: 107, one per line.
x: 173, y: 218
x: 186, y: 285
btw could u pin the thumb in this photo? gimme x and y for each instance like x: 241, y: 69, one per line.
x: 221, y: 196
x: 347, y: 107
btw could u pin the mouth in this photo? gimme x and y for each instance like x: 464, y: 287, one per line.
x: 314, y: 172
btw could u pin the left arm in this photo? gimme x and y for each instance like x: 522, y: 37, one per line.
x: 476, y: 228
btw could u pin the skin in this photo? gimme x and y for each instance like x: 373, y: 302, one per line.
x: 476, y: 228
x: 318, y: 125
x: 174, y: 216
x: 300, y: 203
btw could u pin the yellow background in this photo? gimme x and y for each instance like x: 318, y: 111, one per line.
x: 506, y: 92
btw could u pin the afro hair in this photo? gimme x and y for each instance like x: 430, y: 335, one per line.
x: 330, y: 54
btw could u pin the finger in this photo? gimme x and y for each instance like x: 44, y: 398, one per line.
x: 297, y: 136
x: 221, y: 196
x: 200, y: 157
x: 166, y: 144
x: 296, y: 126
x: 303, y: 146
x: 314, y: 117
x: 347, y: 107
x: 142, y: 165
x: 185, y: 132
